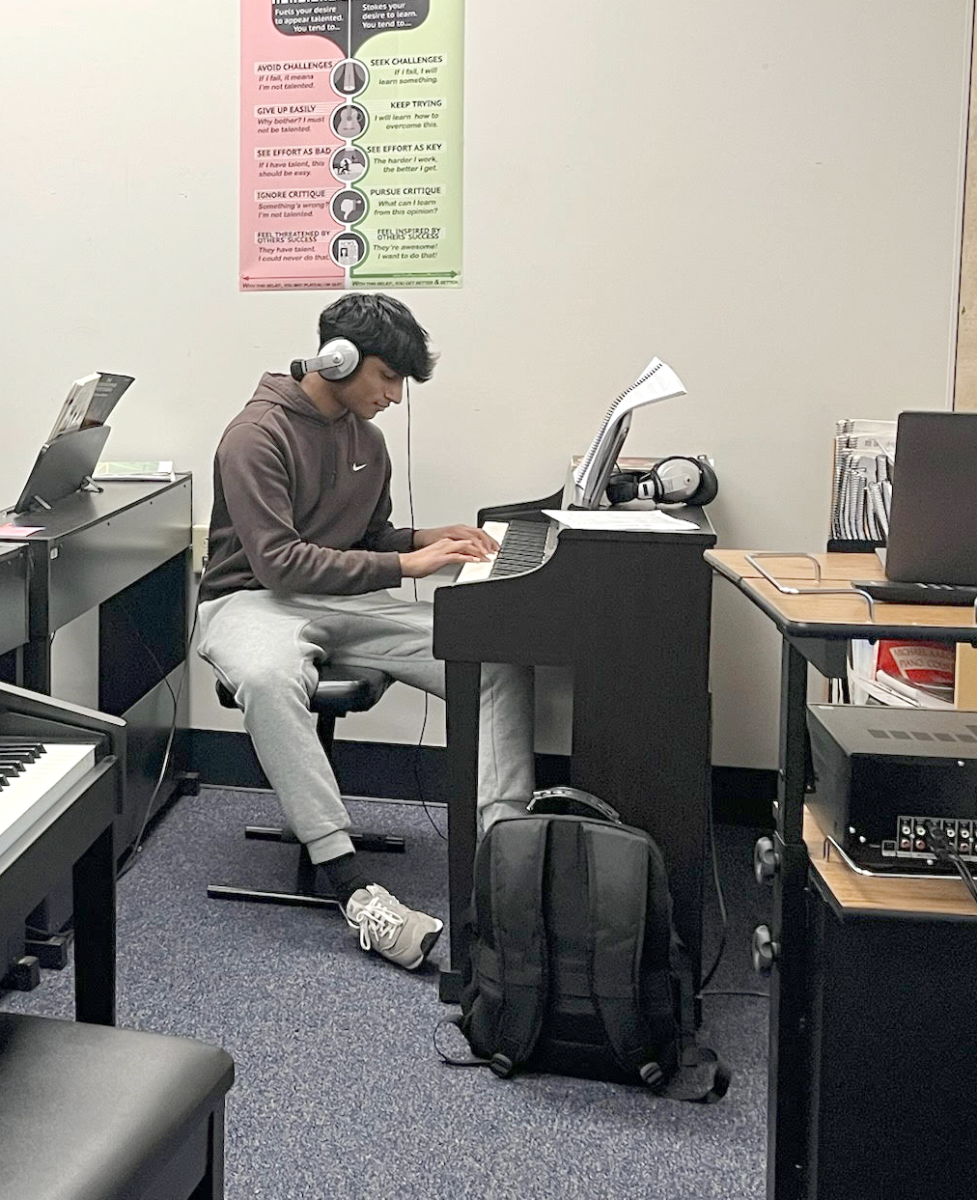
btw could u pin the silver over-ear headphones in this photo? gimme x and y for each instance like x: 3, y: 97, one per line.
x: 675, y: 480
x: 337, y: 359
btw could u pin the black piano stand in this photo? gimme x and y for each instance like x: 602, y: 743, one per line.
x: 304, y: 894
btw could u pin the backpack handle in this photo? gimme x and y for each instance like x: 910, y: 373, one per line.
x: 572, y: 802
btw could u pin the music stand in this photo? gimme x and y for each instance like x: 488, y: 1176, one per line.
x: 64, y: 465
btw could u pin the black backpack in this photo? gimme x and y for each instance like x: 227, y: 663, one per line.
x: 573, y: 956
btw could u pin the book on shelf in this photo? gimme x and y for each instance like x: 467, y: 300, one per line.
x: 861, y: 487
x: 903, y: 674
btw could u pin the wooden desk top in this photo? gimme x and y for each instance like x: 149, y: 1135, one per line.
x: 863, y: 895
x: 793, y: 569
x: 837, y: 616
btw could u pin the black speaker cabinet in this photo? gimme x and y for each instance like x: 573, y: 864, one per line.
x: 892, y: 1032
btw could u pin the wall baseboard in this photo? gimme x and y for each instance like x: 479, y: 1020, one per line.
x: 224, y: 758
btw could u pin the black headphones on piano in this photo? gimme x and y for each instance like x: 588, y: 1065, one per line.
x: 337, y: 359
x: 675, y: 480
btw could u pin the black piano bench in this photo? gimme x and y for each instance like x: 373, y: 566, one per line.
x: 340, y: 691
x: 93, y: 1111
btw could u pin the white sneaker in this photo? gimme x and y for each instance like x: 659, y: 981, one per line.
x: 392, y: 929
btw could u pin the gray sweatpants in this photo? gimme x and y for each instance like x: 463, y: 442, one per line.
x: 266, y: 648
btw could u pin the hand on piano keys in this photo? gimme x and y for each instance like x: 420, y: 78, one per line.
x: 450, y: 545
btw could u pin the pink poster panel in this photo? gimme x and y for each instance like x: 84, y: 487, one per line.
x: 292, y: 146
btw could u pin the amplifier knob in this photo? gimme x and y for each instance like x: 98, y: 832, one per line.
x: 763, y: 950
x: 766, y: 860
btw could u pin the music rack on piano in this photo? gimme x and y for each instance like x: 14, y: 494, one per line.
x: 629, y: 613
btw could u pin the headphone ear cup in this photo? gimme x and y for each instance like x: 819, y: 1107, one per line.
x: 708, y: 489
x: 337, y: 359
x: 622, y: 487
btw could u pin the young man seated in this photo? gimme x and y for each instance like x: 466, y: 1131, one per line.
x: 302, y: 553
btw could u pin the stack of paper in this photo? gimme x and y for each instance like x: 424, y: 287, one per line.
x: 631, y: 521
x: 861, y: 492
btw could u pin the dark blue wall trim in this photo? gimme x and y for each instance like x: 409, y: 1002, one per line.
x: 741, y: 795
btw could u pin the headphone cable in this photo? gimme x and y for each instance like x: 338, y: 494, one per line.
x: 427, y: 699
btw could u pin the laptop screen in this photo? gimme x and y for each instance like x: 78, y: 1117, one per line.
x: 933, y: 522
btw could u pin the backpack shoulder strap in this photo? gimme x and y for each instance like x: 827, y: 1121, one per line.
x: 617, y: 880
x: 518, y: 863
x: 617, y: 869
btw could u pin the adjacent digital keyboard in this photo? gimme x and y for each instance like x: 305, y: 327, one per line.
x: 34, y: 775
x: 62, y: 772
x: 522, y: 547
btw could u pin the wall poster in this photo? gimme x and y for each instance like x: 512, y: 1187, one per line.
x: 351, y: 143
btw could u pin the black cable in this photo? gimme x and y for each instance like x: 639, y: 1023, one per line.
x: 734, y: 992
x: 427, y: 699
x: 720, y: 899
x: 942, y: 850
x: 136, y: 847
x: 965, y: 874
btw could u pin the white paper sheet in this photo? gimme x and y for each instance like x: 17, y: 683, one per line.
x: 653, y: 521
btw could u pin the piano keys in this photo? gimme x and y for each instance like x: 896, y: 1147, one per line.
x: 523, y: 546
x: 34, y: 775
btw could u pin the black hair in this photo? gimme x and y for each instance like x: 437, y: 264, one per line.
x: 381, y: 326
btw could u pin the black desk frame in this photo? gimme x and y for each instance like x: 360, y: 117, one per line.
x: 823, y: 647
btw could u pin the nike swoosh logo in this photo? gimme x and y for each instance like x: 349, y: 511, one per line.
x: 358, y: 466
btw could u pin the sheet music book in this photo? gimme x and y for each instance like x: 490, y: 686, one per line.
x: 147, y: 470
x: 89, y: 402
x: 656, y: 382
x: 75, y: 406
x: 108, y: 392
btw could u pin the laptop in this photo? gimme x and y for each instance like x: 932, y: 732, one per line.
x: 933, y: 520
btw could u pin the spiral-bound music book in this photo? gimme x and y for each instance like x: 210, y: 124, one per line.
x: 656, y: 382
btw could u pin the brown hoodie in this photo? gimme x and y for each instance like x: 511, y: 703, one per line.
x: 301, y: 501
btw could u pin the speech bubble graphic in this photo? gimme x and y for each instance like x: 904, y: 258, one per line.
x: 345, y: 22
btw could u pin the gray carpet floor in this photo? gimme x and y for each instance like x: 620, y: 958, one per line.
x: 340, y: 1092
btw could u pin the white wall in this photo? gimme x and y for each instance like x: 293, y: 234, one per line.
x: 765, y: 194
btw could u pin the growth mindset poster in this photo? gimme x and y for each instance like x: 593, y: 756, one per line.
x: 351, y: 143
